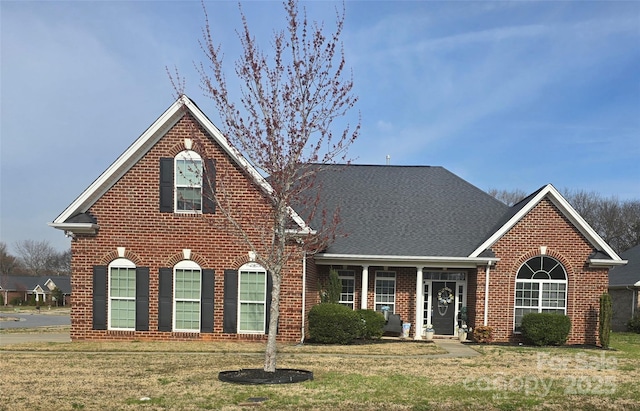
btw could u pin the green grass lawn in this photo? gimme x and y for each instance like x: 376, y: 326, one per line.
x: 157, y: 376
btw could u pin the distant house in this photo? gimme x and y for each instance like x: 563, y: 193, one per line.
x: 153, y: 259
x: 39, y: 289
x: 624, y: 287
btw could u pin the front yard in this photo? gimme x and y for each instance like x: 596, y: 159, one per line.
x: 390, y: 376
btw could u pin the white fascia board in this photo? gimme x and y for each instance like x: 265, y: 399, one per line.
x: 597, y: 262
x: 637, y: 284
x: 126, y: 160
x: 77, y: 228
x: 404, y: 261
x: 564, y: 207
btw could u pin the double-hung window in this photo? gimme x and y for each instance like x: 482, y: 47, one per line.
x: 187, y: 291
x: 122, y: 295
x: 541, y: 287
x: 347, y: 281
x: 252, y: 293
x: 385, y: 290
x: 188, y: 180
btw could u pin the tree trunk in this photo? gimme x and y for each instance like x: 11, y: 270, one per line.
x: 271, y: 350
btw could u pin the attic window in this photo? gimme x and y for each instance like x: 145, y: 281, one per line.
x: 188, y: 179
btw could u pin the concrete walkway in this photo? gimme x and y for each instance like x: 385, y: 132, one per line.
x: 455, y: 348
x: 19, y: 338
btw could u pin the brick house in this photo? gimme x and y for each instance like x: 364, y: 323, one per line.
x: 154, y: 259
x: 624, y: 287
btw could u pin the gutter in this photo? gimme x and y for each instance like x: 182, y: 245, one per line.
x: 304, y: 294
x: 404, y: 260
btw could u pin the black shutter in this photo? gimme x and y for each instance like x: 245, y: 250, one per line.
x: 165, y: 306
x: 142, y: 299
x: 230, y: 316
x: 209, y: 187
x: 166, y: 185
x: 268, y: 302
x: 99, y: 297
x: 206, y: 302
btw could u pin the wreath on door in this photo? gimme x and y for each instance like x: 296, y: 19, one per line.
x: 445, y: 296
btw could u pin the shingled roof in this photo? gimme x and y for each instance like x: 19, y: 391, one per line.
x: 628, y: 275
x: 406, y: 210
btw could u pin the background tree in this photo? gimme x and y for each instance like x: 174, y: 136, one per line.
x: 616, y: 221
x: 40, y: 258
x: 8, y: 263
x: 509, y: 197
x: 283, y: 123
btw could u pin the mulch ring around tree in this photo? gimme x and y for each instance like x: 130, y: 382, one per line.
x: 259, y: 376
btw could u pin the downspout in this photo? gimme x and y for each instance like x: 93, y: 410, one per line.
x: 304, y: 293
x: 486, y: 294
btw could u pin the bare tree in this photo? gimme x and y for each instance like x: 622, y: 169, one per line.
x: 35, y: 256
x: 509, y: 197
x: 284, y: 125
x: 616, y: 221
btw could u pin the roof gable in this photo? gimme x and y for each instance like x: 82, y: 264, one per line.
x: 519, y: 210
x: 69, y: 220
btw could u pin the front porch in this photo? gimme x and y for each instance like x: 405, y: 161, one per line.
x: 444, y: 297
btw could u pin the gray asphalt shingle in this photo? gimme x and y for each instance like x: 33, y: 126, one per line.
x: 406, y: 210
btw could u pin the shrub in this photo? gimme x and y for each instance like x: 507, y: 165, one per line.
x: 605, y: 320
x: 545, y: 328
x: 483, y: 334
x: 332, y: 289
x: 372, y: 324
x: 333, y: 324
x: 634, y: 324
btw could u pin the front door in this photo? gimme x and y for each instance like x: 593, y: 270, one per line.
x: 443, y: 306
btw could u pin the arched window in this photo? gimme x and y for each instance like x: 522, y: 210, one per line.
x: 122, y: 295
x: 541, y: 287
x: 252, y: 295
x: 188, y: 180
x: 187, y: 289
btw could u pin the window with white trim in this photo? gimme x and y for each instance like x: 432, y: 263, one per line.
x: 541, y: 287
x: 252, y: 296
x: 348, y: 282
x: 188, y: 180
x: 122, y: 295
x: 385, y: 291
x: 187, y: 284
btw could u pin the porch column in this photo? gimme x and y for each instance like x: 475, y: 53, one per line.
x: 419, y: 306
x: 365, y: 287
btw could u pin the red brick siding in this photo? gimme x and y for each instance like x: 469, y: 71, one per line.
x: 128, y: 216
x: 543, y: 226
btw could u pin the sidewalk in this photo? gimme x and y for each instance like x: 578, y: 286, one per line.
x: 455, y: 348
x: 18, y: 338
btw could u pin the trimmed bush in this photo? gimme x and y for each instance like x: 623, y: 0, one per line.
x: 372, y: 324
x: 483, y: 334
x: 333, y: 324
x: 604, y: 331
x: 634, y: 324
x: 545, y: 328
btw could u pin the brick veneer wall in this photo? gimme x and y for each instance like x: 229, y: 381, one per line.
x: 545, y: 226
x: 128, y: 216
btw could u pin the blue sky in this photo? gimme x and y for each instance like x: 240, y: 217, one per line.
x: 508, y: 95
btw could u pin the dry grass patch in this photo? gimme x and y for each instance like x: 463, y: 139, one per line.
x: 502, y: 378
